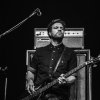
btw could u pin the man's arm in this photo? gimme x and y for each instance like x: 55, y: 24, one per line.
x: 69, y: 79
x: 30, y: 81
x: 31, y: 71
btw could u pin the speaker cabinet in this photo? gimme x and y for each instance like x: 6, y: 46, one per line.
x: 82, y: 86
x: 81, y: 90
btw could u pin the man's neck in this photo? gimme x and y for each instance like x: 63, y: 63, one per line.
x: 55, y: 43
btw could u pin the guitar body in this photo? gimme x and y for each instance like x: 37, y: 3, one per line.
x: 35, y: 95
x: 27, y: 96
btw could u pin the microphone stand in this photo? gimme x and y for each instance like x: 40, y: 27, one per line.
x: 17, y: 25
x: 36, y: 11
x: 4, y: 70
x: 6, y: 80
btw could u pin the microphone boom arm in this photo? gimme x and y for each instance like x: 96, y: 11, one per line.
x: 20, y: 23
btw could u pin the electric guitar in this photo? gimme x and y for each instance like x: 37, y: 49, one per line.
x: 41, y: 90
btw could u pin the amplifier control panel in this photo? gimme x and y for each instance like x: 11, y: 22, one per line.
x: 69, y: 32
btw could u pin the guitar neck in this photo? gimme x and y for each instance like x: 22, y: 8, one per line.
x: 48, y: 86
x: 77, y: 68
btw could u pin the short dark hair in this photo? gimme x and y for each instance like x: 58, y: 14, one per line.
x: 55, y: 21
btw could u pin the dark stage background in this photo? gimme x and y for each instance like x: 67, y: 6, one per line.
x: 13, y: 46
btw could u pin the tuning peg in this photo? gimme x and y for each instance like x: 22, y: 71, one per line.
x: 94, y: 65
x: 91, y: 57
x: 99, y: 56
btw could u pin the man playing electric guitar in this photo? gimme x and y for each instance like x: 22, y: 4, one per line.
x: 52, y: 61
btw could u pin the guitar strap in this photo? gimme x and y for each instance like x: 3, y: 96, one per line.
x: 59, y: 60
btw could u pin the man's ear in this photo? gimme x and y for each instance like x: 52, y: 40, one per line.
x: 49, y: 34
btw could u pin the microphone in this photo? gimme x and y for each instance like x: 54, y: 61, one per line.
x: 39, y: 13
x: 3, y: 69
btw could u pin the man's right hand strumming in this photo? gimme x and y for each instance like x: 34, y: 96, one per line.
x: 30, y: 86
x: 29, y: 82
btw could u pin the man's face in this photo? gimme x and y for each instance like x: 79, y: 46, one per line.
x: 57, y: 30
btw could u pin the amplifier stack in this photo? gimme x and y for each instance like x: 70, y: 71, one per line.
x: 73, y: 37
